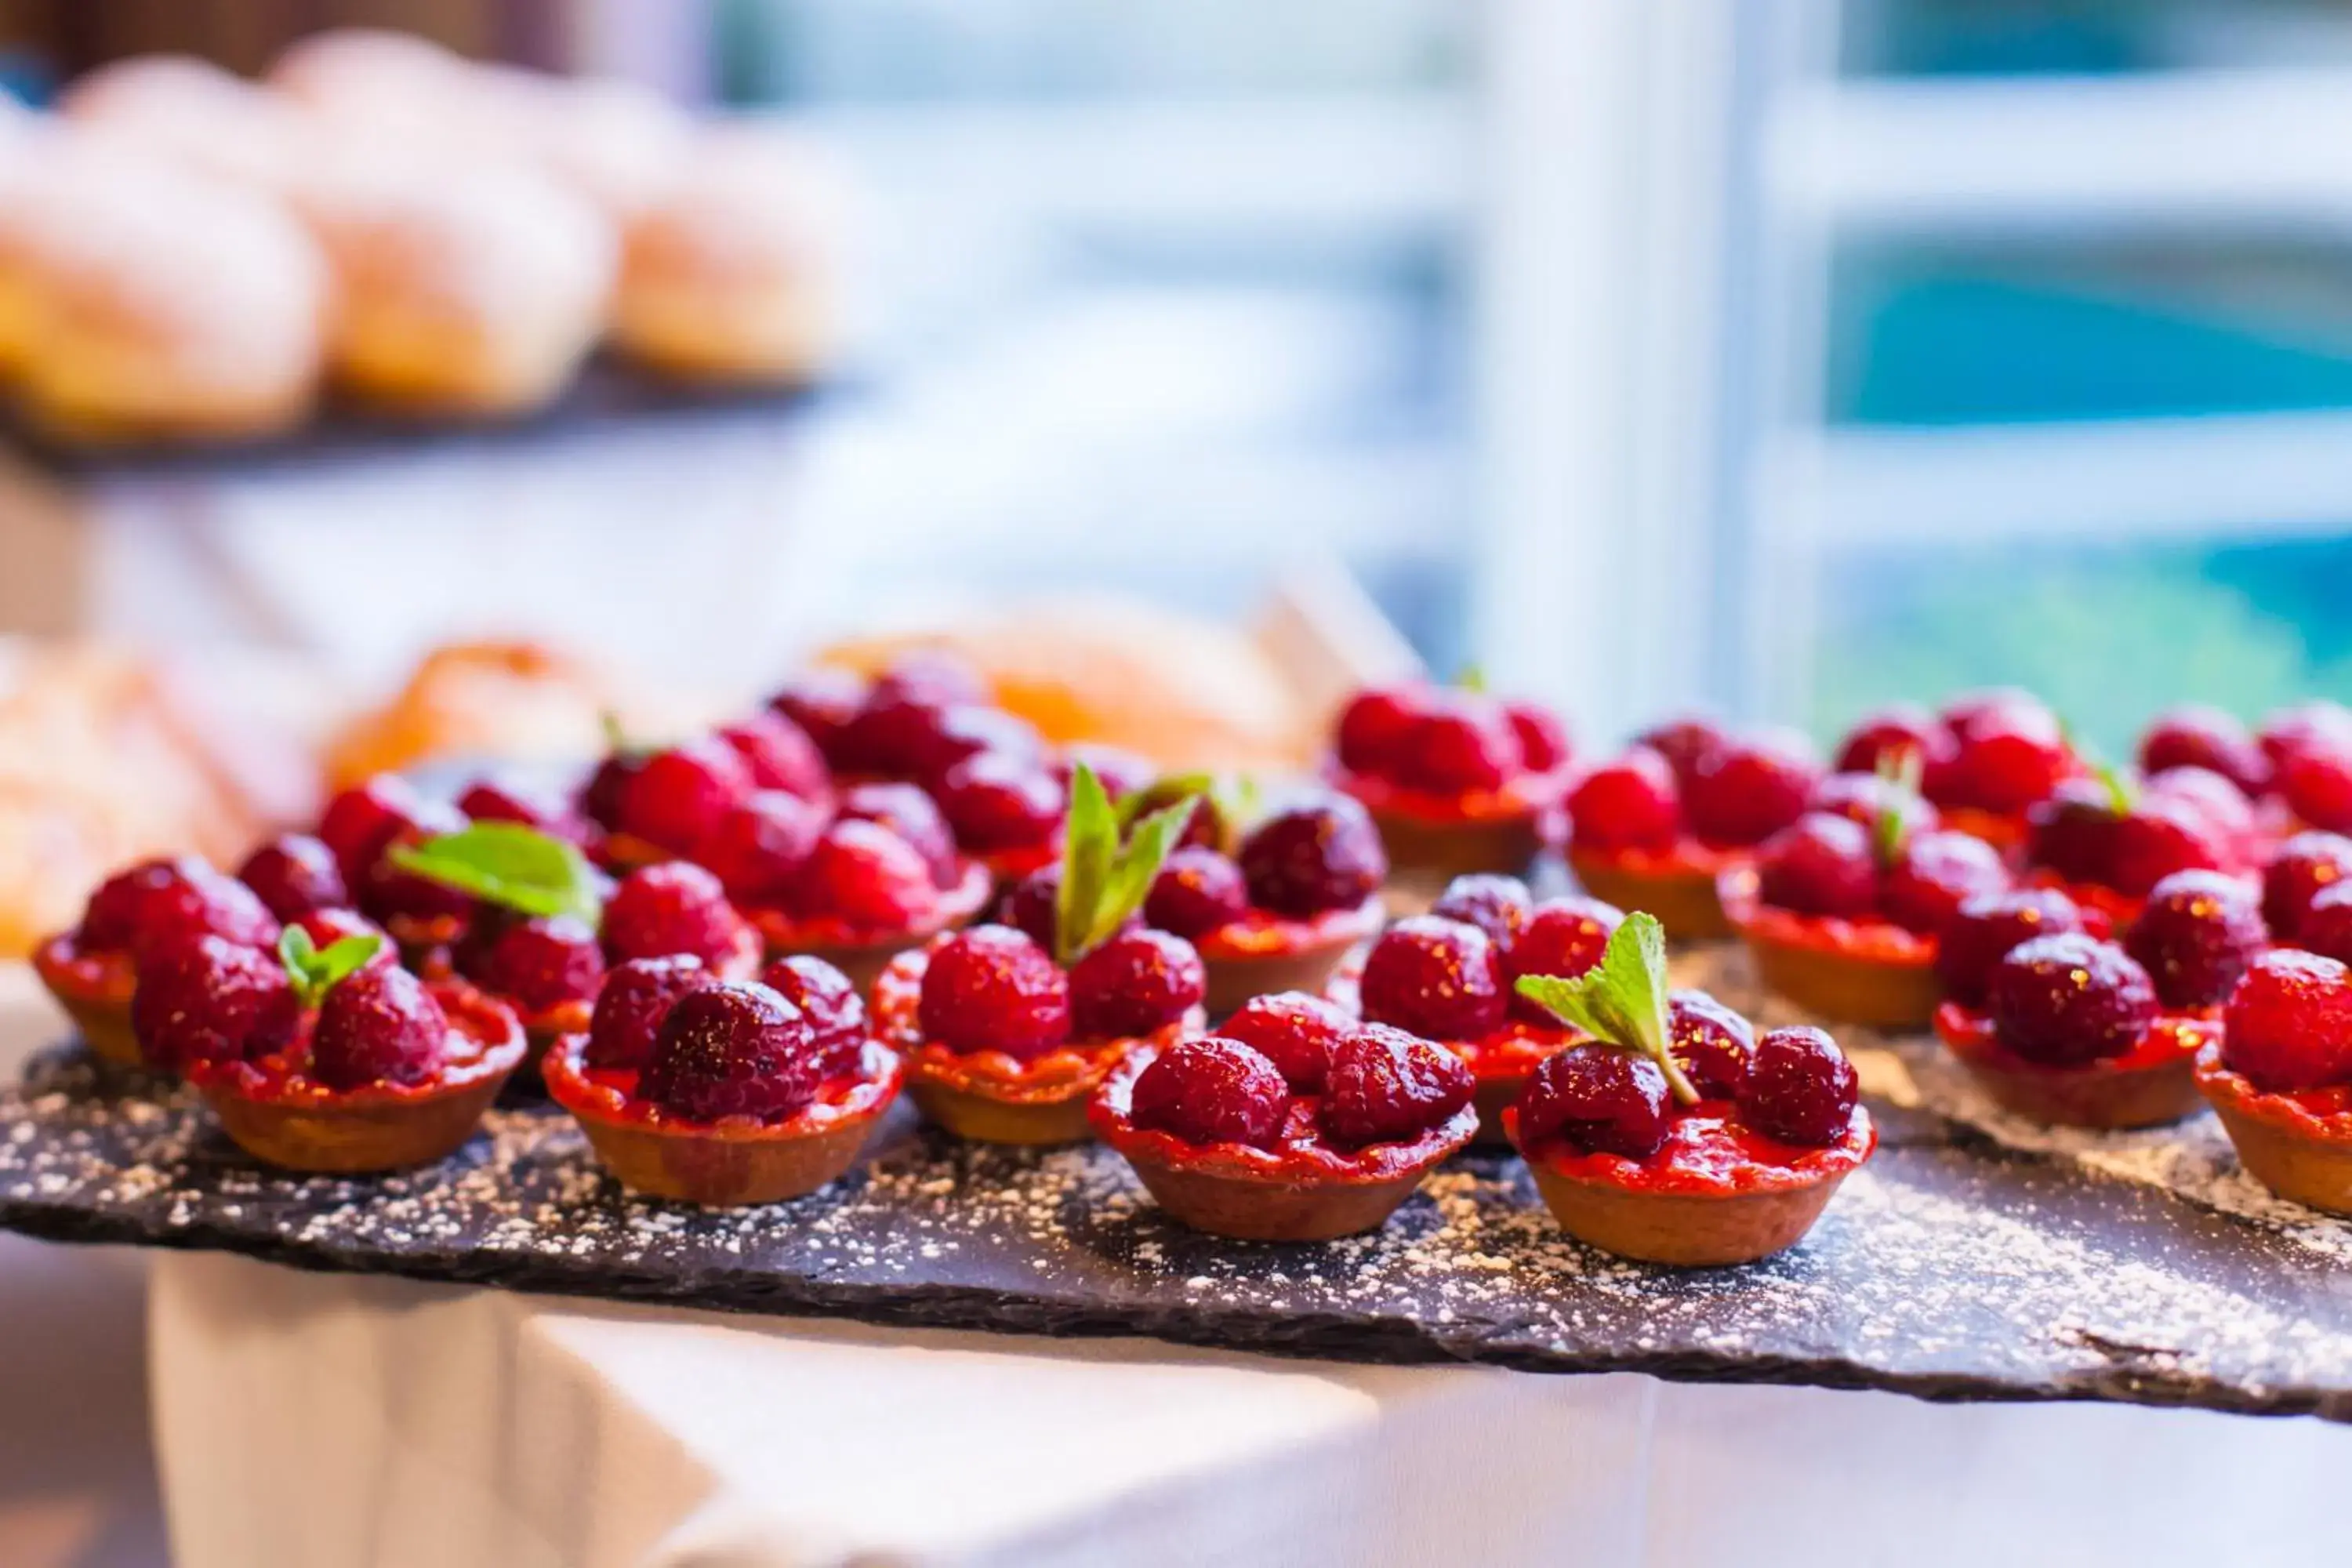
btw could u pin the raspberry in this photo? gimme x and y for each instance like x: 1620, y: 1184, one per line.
x: 930, y: 675
x: 2317, y: 784
x: 2288, y: 1025
x: 358, y: 823
x: 760, y: 842
x: 160, y: 904
x: 1313, y: 858
x: 1713, y: 1043
x: 675, y: 797
x: 822, y: 702
x: 1543, y: 737
x: 1136, y: 984
x: 997, y: 803
x: 328, y: 927
x: 2073, y: 832
x: 1987, y: 926
x: 2011, y: 752
x: 672, y: 908
x: 294, y: 874
x: 1746, y: 792
x: 909, y: 812
x: 535, y: 964
x: 634, y: 999
x: 1683, y: 744
x: 2299, y: 869
x: 2308, y: 725
x: 378, y: 1026
x: 1937, y: 873
x: 2222, y: 806
x: 506, y: 800
x: 2157, y: 837
x: 1211, y: 1091
x: 1435, y: 978
x: 1462, y: 741
x: 1866, y: 799
x: 835, y: 1013
x: 2067, y: 1000
x: 893, y: 734
x: 1629, y: 804
x: 598, y: 796
x: 386, y: 892
x: 1197, y: 891
x: 1888, y: 732
x: 1821, y: 865
x: 865, y: 876
x: 1499, y: 906
x: 734, y: 1049
x: 1375, y: 726
x: 2326, y: 927
x: 1799, y: 1089
x: 778, y: 754
x: 968, y: 730
x: 1564, y: 937
x: 1294, y: 1031
x: 2195, y: 936
x: 990, y: 988
x: 212, y: 1000
x: 1384, y: 1085
x: 2191, y: 736
x: 1596, y: 1099
x: 1032, y: 906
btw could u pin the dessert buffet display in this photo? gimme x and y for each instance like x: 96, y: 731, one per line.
x: 189, y: 257
x: 696, y: 983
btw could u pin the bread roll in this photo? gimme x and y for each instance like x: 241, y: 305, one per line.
x: 730, y: 274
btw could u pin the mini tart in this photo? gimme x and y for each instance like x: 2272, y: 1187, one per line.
x: 1499, y: 1062
x: 2149, y: 1085
x: 992, y: 1097
x: 1264, y: 953
x: 2298, y: 1145
x: 1715, y: 1193
x: 1437, y: 838
x: 731, y: 1162
x: 1307, y: 1190
x: 275, y: 1112
x: 1677, y: 884
x: 863, y: 952
x: 94, y: 989
x: 1869, y: 971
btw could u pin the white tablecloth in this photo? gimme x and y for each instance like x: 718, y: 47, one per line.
x: 327, y: 1419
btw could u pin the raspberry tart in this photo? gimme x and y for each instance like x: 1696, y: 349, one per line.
x: 1456, y: 780
x: 720, y: 1092
x: 1985, y: 761
x: 330, y: 1062
x: 1698, y: 1152
x: 1229, y: 1141
x: 1280, y: 916
x: 1006, y: 1036
x: 1651, y: 832
x: 2280, y: 1077
x: 1844, y: 921
x: 2107, y: 839
x: 1448, y: 976
x: 882, y: 878
x: 2073, y: 1032
x: 134, y: 917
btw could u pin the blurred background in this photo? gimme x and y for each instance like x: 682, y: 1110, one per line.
x: 1783, y: 356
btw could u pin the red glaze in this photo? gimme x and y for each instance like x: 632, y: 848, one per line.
x: 95, y: 990
x: 1708, y: 1153
x: 485, y: 1041
x: 2174, y: 1037
x: 2299, y: 1144
x: 610, y: 1094
x: 2146, y: 1085
x: 1262, y: 934
x: 785, y: 932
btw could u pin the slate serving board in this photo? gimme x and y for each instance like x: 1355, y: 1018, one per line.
x: 1950, y: 1268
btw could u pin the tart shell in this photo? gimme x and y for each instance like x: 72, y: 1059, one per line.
x: 729, y: 1164
x: 95, y: 992
x: 2147, y: 1086
x: 1267, y: 954
x: 1873, y: 973
x: 2290, y: 1149
x: 1681, y: 893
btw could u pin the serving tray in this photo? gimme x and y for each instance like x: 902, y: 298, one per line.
x: 1952, y: 1266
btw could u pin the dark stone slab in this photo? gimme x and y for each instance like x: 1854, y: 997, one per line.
x: 1950, y: 1268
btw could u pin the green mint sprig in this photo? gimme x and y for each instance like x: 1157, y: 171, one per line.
x: 1904, y: 768
x: 1234, y: 801
x: 1621, y: 1000
x: 314, y: 972
x: 1106, y: 875
x: 511, y: 866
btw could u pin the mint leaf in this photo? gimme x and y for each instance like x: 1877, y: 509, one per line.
x: 507, y: 864
x: 1621, y: 1000
x: 1472, y: 678
x: 314, y: 972
x: 1090, y: 849
x: 2118, y: 787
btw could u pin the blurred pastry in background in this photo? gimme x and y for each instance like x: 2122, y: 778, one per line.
x: 616, y: 143
x: 463, y: 286
x: 374, y: 78
x: 730, y: 274
x: 1184, y: 692
x: 507, y: 702
x: 191, y: 112
x: 160, y: 305
x: 20, y: 168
